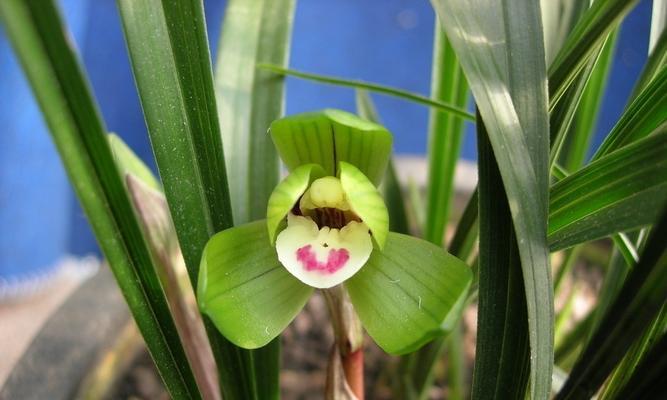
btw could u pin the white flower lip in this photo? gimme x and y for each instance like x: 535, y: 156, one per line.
x: 324, y: 257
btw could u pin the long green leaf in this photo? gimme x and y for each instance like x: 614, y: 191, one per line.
x: 585, y: 119
x: 372, y: 87
x: 562, y: 116
x: 648, y: 378
x: 619, y: 192
x: 657, y: 60
x: 171, y: 62
x: 44, y: 48
x: 558, y: 19
x: 646, y: 113
x: 511, y: 95
x: 448, y: 84
x: 391, y: 187
x: 658, y: 22
x: 249, y: 99
x: 446, y: 132
x: 638, y: 351
x: 592, y: 28
x: 502, y: 355
x: 573, y: 339
x: 638, y: 303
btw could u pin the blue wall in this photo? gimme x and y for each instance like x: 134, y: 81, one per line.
x: 385, y: 41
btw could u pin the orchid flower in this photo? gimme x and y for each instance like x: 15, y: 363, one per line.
x: 327, y: 225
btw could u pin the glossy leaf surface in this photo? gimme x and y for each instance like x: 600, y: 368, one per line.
x: 59, y: 84
x: 511, y: 96
x: 594, y: 25
x: 244, y: 289
x: 619, y: 192
x: 330, y: 136
x: 449, y: 84
x: 409, y: 293
x: 501, y: 359
x: 249, y: 99
x: 630, y: 315
x: 647, y: 112
x: 392, y: 191
x: 170, y: 59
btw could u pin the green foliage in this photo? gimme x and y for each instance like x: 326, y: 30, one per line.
x: 448, y: 84
x: 42, y: 44
x: 249, y: 99
x: 621, y: 191
x: 634, y: 308
x: 409, y: 293
x: 330, y: 136
x: 245, y: 290
x: 511, y: 97
x: 502, y: 356
x: 391, y: 187
x: 373, y: 87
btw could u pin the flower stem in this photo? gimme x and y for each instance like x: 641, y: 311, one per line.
x: 348, y: 352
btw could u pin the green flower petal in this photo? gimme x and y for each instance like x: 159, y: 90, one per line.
x: 409, y: 293
x: 243, y: 288
x: 329, y: 136
x: 287, y: 193
x: 365, y: 201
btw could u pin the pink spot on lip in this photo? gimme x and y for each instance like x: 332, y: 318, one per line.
x: 335, y: 260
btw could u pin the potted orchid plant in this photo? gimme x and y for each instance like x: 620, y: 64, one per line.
x: 256, y: 247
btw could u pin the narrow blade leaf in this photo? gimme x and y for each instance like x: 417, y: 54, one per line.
x: 249, y: 99
x: 170, y: 59
x: 502, y: 351
x: 657, y: 60
x: 391, y: 187
x: 44, y: 48
x: 592, y: 28
x: 448, y: 84
x: 619, y: 192
x: 648, y: 377
x: 506, y: 72
x: 372, y: 87
x: 637, y: 304
x: 647, y: 112
x: 585, y: 119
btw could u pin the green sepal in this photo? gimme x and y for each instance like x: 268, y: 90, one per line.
x: 365, y: 200
x: 329, y: 136
x: 286, y: 195
x: 409, y: 293
x: 243, y: 288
